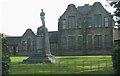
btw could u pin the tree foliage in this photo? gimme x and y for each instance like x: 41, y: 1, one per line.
x: 5, y: 57
x: 116, y: 60
x: 117, y: 12
x: 116, y: 52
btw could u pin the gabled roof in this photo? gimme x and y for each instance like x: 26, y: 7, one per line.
x: 86, y: 9
x: 28, y: 31
x: 82, y: 10
x: 97, y: 5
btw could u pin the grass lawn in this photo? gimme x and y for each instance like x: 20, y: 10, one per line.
x: 66, y: 65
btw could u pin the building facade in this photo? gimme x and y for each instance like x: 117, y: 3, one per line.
x: 26, y: 44
x: 85, y: 30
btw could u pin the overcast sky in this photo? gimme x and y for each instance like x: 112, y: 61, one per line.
x: 18, y: 15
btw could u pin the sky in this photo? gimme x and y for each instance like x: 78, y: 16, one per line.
x: 16, y: 16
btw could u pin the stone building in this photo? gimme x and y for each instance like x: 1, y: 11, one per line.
x: 85, y: 30
x: 13, y: 43
x: 26, y: 44
x: 82, y: 30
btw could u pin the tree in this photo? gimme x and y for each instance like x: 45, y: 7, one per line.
x: 117, y: 12
x: 5, y: 57
x: 116, y: 52
x: 116, y: 60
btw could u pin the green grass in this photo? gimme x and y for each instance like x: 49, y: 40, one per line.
x: 66, y: 65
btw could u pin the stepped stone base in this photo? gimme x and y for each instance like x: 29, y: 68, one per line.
x: 37, y: 58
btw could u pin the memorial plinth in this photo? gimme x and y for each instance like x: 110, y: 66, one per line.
x: 42, y: 53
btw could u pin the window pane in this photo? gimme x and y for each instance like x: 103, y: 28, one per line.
x: 64, y: 43
x: 106, y: 20
x: 98, y: 41
x: 80, y: 42
x: 28, y: 44
x: 79, y: 21
x: 106, y: 41
x: 89, y: 44
x: 98, y: 20
x: 71, y: 42
x: 71, y: 22
x: 64, y: 23
x: 23, y: 45
x: 89, y: 19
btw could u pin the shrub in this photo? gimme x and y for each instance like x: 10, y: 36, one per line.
x: 5, y: 57
x: 116, y: 60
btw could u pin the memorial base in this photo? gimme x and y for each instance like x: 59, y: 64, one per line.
x: 37, y: 58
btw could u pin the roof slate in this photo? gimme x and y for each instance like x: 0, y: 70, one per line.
x: 13, y: 40
x: 53, y: 37
x: 84, y: 9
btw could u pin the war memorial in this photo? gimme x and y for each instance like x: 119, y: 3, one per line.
x: 42, y: 54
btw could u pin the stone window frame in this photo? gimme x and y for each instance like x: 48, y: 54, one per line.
x: 106, y: 21
x: 73, y: 45
x: 91, y: 42
x: 106, y: 41
x: 24, y: 43
x: 89, y: 23
x: 29, y: 43
x: 99, y: 45
x: 99, y: 21
x: 33, y: 45
x: 79, y: 22
x: 79, y: 41
x: 65, y: 41
x: 64, y: 24
x: 71, y: 22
